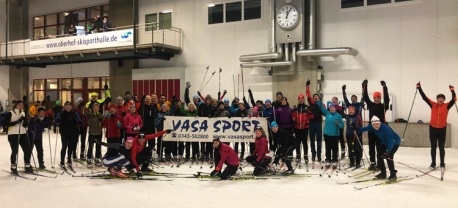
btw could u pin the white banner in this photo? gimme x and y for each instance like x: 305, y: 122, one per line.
x: 191, y: 129
x: 83, y: 42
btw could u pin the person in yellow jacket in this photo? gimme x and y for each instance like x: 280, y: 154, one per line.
x: 33, y: 109
x: 101, y: 102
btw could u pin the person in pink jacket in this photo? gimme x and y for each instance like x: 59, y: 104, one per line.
x: 132, y: 122
x: 259, y: 159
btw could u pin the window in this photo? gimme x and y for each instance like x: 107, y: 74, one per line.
x: 252, y: 9
x: 51, y: 84
x: 375, y: 2
x: 93, y: 83
x: 233, y: 11
x: 163, y: 21
x: 352, y: 3
x: 68, y: 89
x: 216, y: 14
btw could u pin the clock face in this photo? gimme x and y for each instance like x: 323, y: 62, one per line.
x: 287, y: 17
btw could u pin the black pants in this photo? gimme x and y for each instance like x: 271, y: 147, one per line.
x: 342, y: 140
x: 437, y: 136
x: 228, y: 172
x: 144, y: 158
x: 168, y: 146
x: 82, y: 133
x: 301, y: 137
x: 332, y: 148
x: 381, y: 164
x: 181, y: 146
x: 315, y: 133
x: 354, y: 149
x: 68, y: 143
x: 206, y: 149
x: 195, y: 150
x: 15, y: 141
x: 39, y: 144
x: 98, y: 147
x: 287, y: 156
x: 113, y: 140
x: 242, y: 151
x: 373, y: 146
x: 262, y: 167
x: 160, y: 147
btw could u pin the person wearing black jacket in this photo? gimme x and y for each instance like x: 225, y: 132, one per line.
x: 68, y: 121
x: 316, y: 120
x: 148, y: 113
x: 37, y: 125
x: 376, y: 108
x: 241, y: 112
x: 285, y: 144
x: 206, y: 110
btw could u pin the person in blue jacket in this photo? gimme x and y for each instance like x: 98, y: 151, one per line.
x: 390, y: 143
x: 331, y: 133
x: 37, y: 125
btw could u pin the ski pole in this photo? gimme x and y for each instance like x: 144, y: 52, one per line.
x: 55, y: 147
x: 362, y: 148
x: 49, y: 139
x: 204, y: 78
x: 243, y: 87
x: 233, y: 81
x: 208, y: 80
x: 219, y: 87
x: 414, y: 169
x: 408, y: 118
x: 238, y: 86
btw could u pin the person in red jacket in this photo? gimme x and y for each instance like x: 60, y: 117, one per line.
x: 259, y: 159
x: 301, y: 127
x: 113, y: 125
x: 139, y: 154
x: 132, y: 122
x: 80, y: 109
x: 224, y: 154
x: 438, y: 123
x: 121, y: 109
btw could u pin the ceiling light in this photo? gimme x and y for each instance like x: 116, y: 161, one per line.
x: 36, y: 18
x: 66, y: 13
x: 166, y: 11
x: 211, y: 5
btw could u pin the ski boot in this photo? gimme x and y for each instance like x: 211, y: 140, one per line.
x: 75, y: 158
x: 442, y: 165
x: 298, y: 159
x: 89, y: 163
x: 41, y: 166
x: 112, y: 171
x: 381, y: 175
x: 328, y: 165
x: 14, y: 169
x: 97, y: 162
x: 82, y: 157
x: 28, y: 168
x: 120, y: 174
x: 342, y: 155
x: 393, y: 176
x: 306, y: 159
x: 288, y: 172
x: 432, y: 166
x: 319, y: 159
x: 372, y: 166
x: 334, y: 165
x: 62, y: 165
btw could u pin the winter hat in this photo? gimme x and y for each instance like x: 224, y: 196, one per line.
x: 93, y: 94
x: 268, y: 101
x: 67, y: 103
x: 226, y: 100
x: 217, y: 139
x: 279, y: 93
x: 236, y: 98
x: 208, y: 97
x: 80, y: 99
x: 285, y: 98
x: 195, y: 97
x: 260, y: 129
x: 58, y: 102
x: 335, y: 98
x: 332, y: 106
x: 141, y: 135
x: 420, y: 121
x: 377, y: 95
x: 273, y: 124
x: 119, y: 98
x: 300, y: 96
x: 375, y: 119
x: 259, y: 101
x: 164, y: 106
x: 130, y: 140
x: 440, y: 96
x: 41, y: 108
x: 255, y: 108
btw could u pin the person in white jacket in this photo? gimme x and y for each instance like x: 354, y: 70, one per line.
x: 17, y: 136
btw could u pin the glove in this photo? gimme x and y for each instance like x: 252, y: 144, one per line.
x: 385, y: 155
x: 25, y: 124
x: 119, y: 124
x: 108, y: 100
x: 139, y: 174
x: 198, y: 93
x: 168, y: 131
x: 451, y: 87
x: 20, y: 120
x: 365, y: 83
x: 307, y: 83
x: 225, y: 92
x: 229, y: 116
x: 249, y: 91
x: 108, y: 115
x: 383, y: 83
x: 277, y: 160
x: 105, y: 87
x: 188, y: 85
x: 344, y: 87
x: 215, y: 173
x: 418, y: 85
x: 92, y: 102
x: 219, y: 96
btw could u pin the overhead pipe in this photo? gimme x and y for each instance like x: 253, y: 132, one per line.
x: 328, y: 52
x: 293, y: 54
x: 267, y: 64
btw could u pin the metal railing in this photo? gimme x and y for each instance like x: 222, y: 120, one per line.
x: 165, y: 38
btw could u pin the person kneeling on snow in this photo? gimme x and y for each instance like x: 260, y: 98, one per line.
x: 118, y: 157
x: 139, y: 154
x: 259, y: 159
x: 224, y: 154
x: 390, y: 144
x: 285, y: 144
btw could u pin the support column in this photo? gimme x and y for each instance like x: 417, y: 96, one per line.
x: 18, y: 30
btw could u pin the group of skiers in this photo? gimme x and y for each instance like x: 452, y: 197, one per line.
x: 131, y: 127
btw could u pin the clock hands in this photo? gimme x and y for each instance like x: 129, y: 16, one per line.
x: 287, y: 12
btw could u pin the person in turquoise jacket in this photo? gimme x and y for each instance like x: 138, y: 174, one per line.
x: 390, y: 144
x: 331, y: 132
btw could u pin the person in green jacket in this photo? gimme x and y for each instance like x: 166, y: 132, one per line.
x: 191, y: 111
x: 331, y: 132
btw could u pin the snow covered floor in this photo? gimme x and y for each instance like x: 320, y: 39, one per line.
x: 315, y: 191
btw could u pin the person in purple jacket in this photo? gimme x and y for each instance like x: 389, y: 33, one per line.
x: 283, y: 115
x: 37, y: 125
